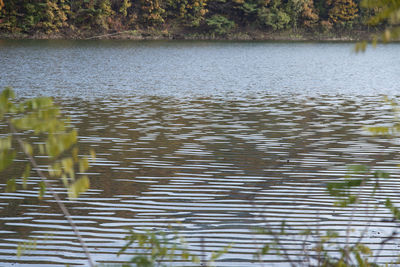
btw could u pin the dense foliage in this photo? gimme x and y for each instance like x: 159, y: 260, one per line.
x: 217, y: 17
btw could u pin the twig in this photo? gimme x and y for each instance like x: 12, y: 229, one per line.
x: 203, y: 252
x: 350, y: 222
x: 60, y: 204
x: 105, y: 35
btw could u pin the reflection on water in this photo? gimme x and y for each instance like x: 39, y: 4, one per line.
x: 210, y: 164
x: 214, y: 166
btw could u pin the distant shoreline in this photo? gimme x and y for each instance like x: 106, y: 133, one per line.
x: 351, y: 36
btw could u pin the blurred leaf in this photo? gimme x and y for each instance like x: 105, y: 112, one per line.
x: 68, y: 167
x: 379, y: 130
x: 6, y: 158
x: 38, y: 103
x: 265, y: 249
x: 7, y: 93
x: 360, y: 46
x: 338, y: 189
x: 11, y: 185
x: 58, y: 143
x: 55, y: 170
x: 25, y: 175
x: 358, y: 169
x: 142, y: 261
x: 381, y: 174
x: 394, y: 210
x: 78, y: 187
x: 93, y: 155
x: 27, y: 148
x: 42, y: 189
x: 330, y: 234
x: 5, y: 142
x: 5, y: 105
x: 65, y: 181
x: 364, y: 249
x: 351, y: 199
x: 83, y: 164
x: 75, y: 155
x: 42, y: 149
x: 360, y: 261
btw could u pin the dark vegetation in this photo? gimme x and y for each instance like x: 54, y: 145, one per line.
x: 193, y: 19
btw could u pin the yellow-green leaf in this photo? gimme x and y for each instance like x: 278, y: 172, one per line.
x: 83, y: 164
x: 42, y: 189
x: 93, y: 155
x: 27, y: 148
x: 25, y: 175
x: 78, y: 187
x: 11, y: 185
x: 68, y: 167
x: 6, y: 158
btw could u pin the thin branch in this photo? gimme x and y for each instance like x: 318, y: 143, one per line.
x: 106, y: 35
x: 60, y: 204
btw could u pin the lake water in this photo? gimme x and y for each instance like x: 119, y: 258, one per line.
x: 211, y: 138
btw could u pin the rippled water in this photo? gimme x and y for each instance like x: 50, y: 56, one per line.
x: 213, y: 138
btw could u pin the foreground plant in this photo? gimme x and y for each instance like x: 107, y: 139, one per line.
x: 385, y: 12
x: 360, y: 186
x: 163, y: 248
x: 55, y: 140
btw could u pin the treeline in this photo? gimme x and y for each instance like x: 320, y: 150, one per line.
x: 217, y: 17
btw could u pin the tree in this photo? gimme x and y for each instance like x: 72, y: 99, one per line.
x: 151, y: 12
x: 188, y: 12
x: 274, y: 15
x: 309, y: 15
x: 220, y: 25
x: 342, y: 11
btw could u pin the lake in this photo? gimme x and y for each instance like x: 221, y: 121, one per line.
x: 214, y: 139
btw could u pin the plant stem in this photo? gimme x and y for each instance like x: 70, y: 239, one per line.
x: 59, y: 202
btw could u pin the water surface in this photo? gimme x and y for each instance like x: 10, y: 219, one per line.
x: 212, y: 138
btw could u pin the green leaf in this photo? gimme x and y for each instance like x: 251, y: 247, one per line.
x: 218, y: 254
x: 364, y: 249
x: 55, y: 170
x: 78, y: 187
x: 68, y: 167
x: 360, y: 261
x: 6, y: 158
x: 358, y: 169
x: 27, y: 148
x: 395, y: 211
x: 265, y: 249
x: 142, y: 261
x: 25, y: 175
x: 57, y: 144
x: 83, y: 164
x: 338, y: 189
x: 42, y: 189
x: 6, y: 106
x: 381, y: 174
x: 360, y: 46
x: 93, y: 155
x: 11, y: 185
x: 38, y: 103
x: 7, y: 93
x: 5, y: 142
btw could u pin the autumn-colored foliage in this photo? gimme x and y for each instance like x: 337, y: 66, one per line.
x: 102, y: 16
x: 309, y: 14
x: 342, y: 10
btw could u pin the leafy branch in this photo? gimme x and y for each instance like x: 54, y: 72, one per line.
x: 42, y: 118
